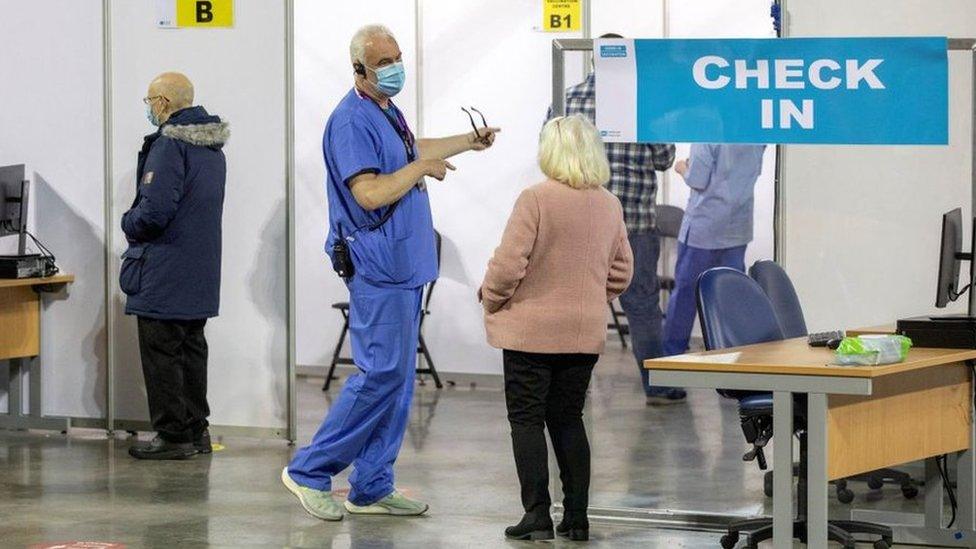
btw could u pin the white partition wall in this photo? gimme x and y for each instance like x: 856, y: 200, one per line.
x: 861, y: 224
x: 239, y: 74
x: 323, y: 74
x: 51, y: 121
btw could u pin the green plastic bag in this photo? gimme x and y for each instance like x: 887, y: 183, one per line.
x: 873, y: 350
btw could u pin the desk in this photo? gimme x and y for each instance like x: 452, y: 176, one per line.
x: 20, y: 343
x: 858, y: 419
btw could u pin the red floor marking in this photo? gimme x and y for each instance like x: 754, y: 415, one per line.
x: 78, y: 545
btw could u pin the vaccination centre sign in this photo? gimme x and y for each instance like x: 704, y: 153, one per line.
x: 782, y: 90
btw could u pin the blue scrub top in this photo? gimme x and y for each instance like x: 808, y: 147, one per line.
x: 359, y: 138
x: 722, y: 178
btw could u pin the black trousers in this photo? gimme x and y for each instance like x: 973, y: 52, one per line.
x: 548, y: 391
x: 174, y: 363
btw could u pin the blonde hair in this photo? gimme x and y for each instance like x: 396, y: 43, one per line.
x: 571, y: 152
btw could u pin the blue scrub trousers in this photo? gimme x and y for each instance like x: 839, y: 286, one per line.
x: 365, y: 425
x: 682, y: 307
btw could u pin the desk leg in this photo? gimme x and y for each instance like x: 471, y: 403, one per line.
x: 817, y: 470
x: 15, y: 392
x: 783, y: 470
x: 933, y: 494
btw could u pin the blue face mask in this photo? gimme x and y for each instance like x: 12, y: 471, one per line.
x: 150, y: 116
x: 390, y: 79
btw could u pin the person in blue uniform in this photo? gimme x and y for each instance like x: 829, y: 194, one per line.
x: 380, y: 211
x: 716, y: 228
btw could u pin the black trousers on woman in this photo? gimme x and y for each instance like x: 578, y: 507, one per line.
x: 547, y: 391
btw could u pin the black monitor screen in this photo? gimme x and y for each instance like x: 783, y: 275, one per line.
x: 949, y: 259
x: 12, y: 199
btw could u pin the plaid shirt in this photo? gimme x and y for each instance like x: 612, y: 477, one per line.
x: 632, y: 165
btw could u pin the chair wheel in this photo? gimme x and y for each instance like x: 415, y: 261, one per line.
x: 881, y: 544
x: 909, y: 492
x: 729, y: 540
x: 875, y: 483
x: 845, y: 495
x: 768, y: 485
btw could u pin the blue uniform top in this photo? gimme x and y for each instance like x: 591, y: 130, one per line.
x: 719, y: 213
x: 360, y: 138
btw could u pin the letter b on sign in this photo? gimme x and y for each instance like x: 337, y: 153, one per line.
x: 204, y: 13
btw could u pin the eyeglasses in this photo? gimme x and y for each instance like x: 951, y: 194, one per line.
x: 148, y: 100
x: 483, y: 138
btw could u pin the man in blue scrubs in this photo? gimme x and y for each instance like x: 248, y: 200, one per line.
x: 378, y: 206
x: 716, y: 228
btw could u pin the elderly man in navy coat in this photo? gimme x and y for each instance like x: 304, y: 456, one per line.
x: 171, y: 270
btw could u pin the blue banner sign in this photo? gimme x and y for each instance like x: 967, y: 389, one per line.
x: 786, y: 90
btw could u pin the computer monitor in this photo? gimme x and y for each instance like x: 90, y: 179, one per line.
x: 949, y: 258
x: 14, y: 194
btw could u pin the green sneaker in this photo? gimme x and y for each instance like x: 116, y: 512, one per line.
x: 394, y: 504
x: 319, y: 504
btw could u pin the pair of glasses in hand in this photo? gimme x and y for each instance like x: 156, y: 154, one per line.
x: 484, y: 138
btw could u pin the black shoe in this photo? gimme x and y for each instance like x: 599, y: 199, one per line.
x: 202, y: 443
x: 160, y: 449
x: 531, y: 528
x: 574, y: 529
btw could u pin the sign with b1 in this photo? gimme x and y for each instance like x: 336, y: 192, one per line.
x: 562, y: 15
x: 194, y: 13
x: 783, y: 90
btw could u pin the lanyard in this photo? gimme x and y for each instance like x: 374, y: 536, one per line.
x: 400, y: 126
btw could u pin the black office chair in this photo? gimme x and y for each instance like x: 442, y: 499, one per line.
x: 779, y: 289
x: 668, y: 220
x: 343, y: 308
x: 734, y: 311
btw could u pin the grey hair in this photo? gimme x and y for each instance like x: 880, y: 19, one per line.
x: 357, y: 46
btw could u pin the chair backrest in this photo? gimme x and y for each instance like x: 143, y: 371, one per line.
x: 668, y: 219
x: 779, y: 289
x: 430, y: 285
x: 734, y: 310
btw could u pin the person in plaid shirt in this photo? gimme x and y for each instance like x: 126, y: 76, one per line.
x: 634, y: 181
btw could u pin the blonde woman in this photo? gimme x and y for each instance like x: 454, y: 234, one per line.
x: 563, y: 256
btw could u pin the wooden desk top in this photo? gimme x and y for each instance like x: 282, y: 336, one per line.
x: 884, y: 329
x: 17, y: 282
x: 795, y: 357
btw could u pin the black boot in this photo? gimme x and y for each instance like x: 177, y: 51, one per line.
x: 531, y: 528
x: 202, y: 443
x: 160, y: 449
x: 574, y: 527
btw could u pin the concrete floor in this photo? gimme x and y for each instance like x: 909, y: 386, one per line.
x: 456, y: 456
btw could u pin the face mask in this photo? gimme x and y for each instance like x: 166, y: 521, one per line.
x: 390, y: 79
x: 150, y: 116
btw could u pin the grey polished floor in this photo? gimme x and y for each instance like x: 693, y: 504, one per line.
x: 456, y: 456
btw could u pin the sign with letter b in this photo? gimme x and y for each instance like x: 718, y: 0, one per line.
x: 195, y: 13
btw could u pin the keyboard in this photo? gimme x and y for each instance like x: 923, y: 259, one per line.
x: 820, y: 339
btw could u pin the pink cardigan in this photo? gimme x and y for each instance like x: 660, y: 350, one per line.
x: 563, y: 256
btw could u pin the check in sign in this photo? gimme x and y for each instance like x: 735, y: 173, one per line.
x: 787, y: 90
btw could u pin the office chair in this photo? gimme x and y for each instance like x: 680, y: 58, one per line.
x: 778, y: 287
x: 734, y: 311
x: 668, y: 221
x: 343, y: 308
